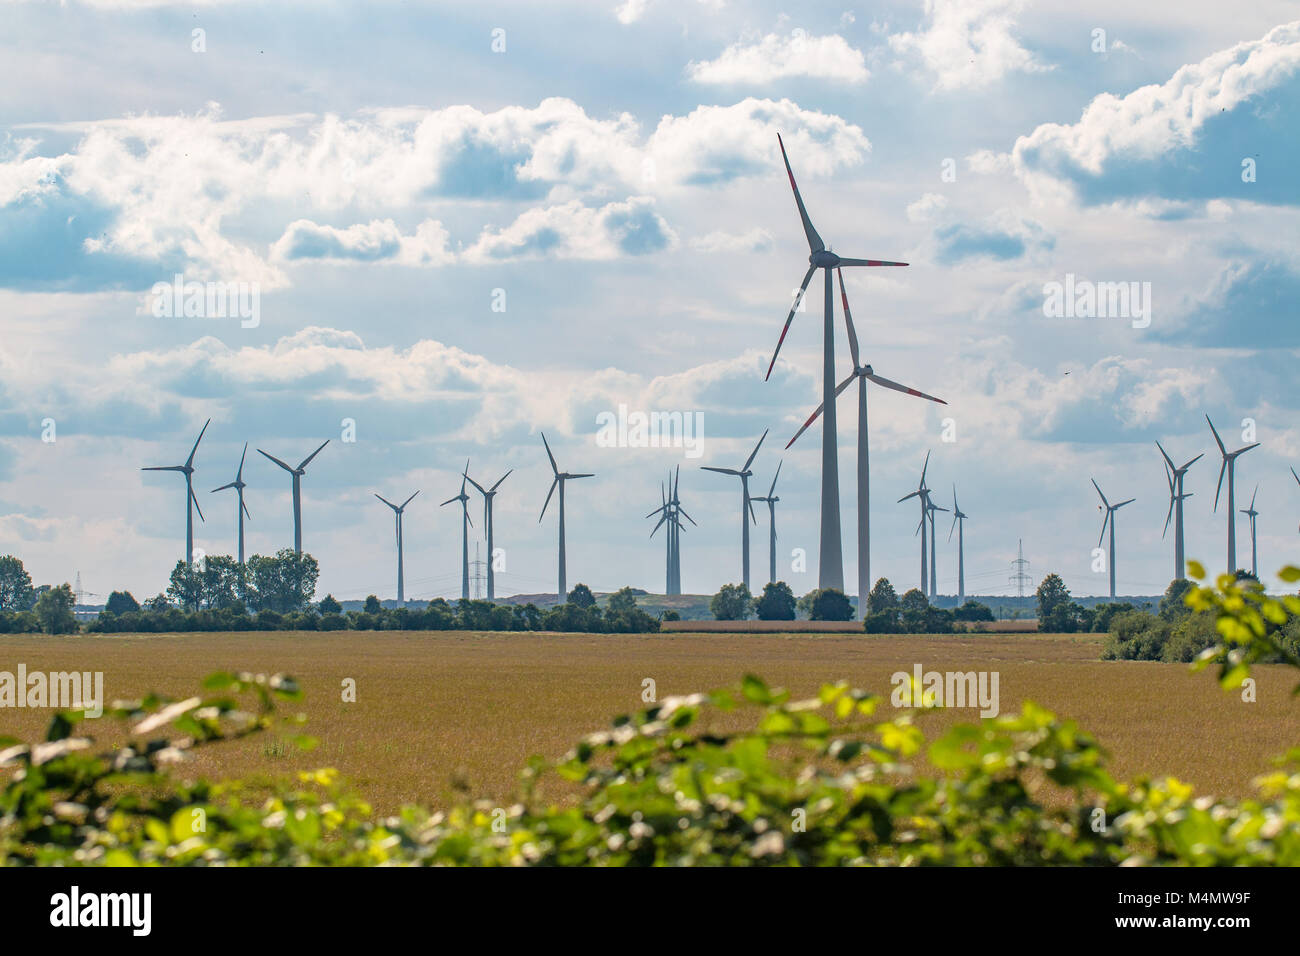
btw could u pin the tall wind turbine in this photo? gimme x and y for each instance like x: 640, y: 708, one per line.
x: 923, y: 494
x: 397, y: 513
x: 831, y: 564
x: 930, y: 509
x: 1176, y: 496
x: 187, y: 470
x: 958, y: 522
x: 465, y: 524
x: 488, y: 494
x: 678, y: 514
x: 297, y: 474
x: 239, y: 485
x: 771, y: 498
x: 560, y: 477
x: 1229, y: 463
x: 746, y: 508
x: 863, y: 374
x: 1110, y: 520
x: 1253, y: 514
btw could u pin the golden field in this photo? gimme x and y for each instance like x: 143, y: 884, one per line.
x: 436, y: 710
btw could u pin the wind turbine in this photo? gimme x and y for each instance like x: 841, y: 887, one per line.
x: 931, y: 508
x: 771, y: 499
x: 560, y: 478
x: 1176, y: 496
x: 863, y: 374
x: 1229, y: 465
x: 831, y: 564
x: 239, y: 485
x: 397, y: 513
x: 297, y: 474
x: 465, y: 524
x: 923, y: 494
x: 746, y: 509
x: 187, y: 470
x: 672, y: 512
x: 488, y: 494
x: 1253, y: 514
x: 1110, y: 520
x: 958, y: 522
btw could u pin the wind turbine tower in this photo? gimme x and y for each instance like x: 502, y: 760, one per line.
x: 1229, y: 465
x: 488, y: 495
x: 771, y: 498
x: 1174, y: 476
x: 239, y: 485
x: 397, y: 514
x: 1110, y: 520
x: 297, y: 474
x: 958, y: 522
x: 187, y: 470
x: 465, y: 525
x: 558, y: 480
x: 1253, y: 514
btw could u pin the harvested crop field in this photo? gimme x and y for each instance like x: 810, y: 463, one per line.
x: 435, y: 709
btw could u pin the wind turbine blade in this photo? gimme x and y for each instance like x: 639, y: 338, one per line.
x: 246, y: 511
x: 1103, y: 497
x: 1165, y: 455
x: 386, y: 501
x: 815, y: 243
x: 869, y: 262
x: 1169, y: 515
x: 911, y: 494
x: 222, y: 488
x: 450, y: 500
x: 196, y: 506
x: 811, y: 418
x: 677, y: 478
x: 683, y: 513
x: 954, y: 525
x: 1193, y: 461
x: 190, y: 460
x: 903, y: 388
x: 772, y: 490
x: 925, y: 468
x: 554, y: 481
x: 789, y: 318
x: 585, y: 474
x: 1222, y: 469
x: 848, y: 324
x: 1222, y: 450
x: 663, y: 507
x: 721, y: 471
x: 409, y: 500
x: 276, y: 460
x: 1127, y: 501
x: 239, y: 475
x: 308, y: 459
x: 1104, y: 522
x: 1242, y: 451
x: 164, y: 468
x: 1252, y: 497
x: 656, y: 527
x: 554, y: 467
x: 499, y: 480
x: 750, y: 502
x: 480, y: 488
x: 1295, y: 476
x: 750, y: 460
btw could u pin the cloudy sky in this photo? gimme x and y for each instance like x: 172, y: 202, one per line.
x: 471, y: 223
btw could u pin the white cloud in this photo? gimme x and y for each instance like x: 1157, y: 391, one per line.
x: 778, y: 57
x: 927, y: 207
x: 376, y: 241
x: 575, y: 231
x: 1156, y: 119
x: 968, y: 43
x: 754, y: 240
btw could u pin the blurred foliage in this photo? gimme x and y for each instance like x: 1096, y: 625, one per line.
x: 826, y: 781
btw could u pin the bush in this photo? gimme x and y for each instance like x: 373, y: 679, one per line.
x: 1136, y: 636
x: 54, y: 610
x: 732, y: 603
x: 777, y: 602
x: 830, y: 604
x: 581, y: 596
x: 121, y: 602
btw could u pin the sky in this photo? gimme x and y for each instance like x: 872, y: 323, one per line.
x: 469, y: 224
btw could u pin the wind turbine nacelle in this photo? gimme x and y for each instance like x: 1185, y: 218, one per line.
x: 824, y: 259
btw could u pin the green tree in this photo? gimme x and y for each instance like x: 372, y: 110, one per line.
x: 185, y: 586
x: 16, y: 592
x: 158, y: 602
x: 121, y: 602
x: 624, y: 599
x: 581, y: 596
x: 372, y: 605
x: 330, y: 606
x: 831, y: 604
x: 915, y: 611
x: 1053, y: 597
x: 284, y: 582
x: 883, y: 597
x: 732, y: 603
x: 973, y: 610
x: 1172, y: 605
x: 777, y: 602
x: 54, y: 610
